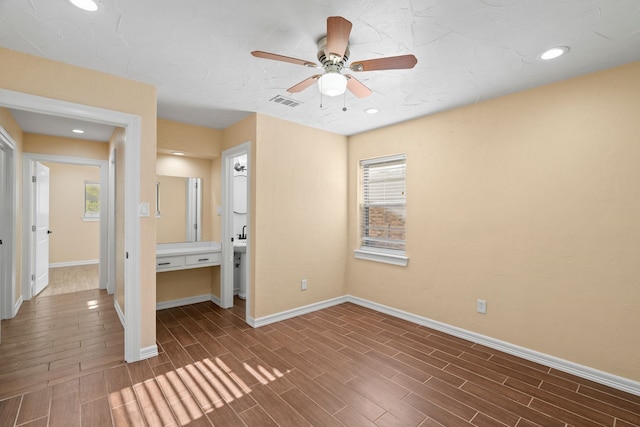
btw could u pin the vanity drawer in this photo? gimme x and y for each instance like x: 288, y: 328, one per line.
x: 210, y: 258
x: 169, y: 262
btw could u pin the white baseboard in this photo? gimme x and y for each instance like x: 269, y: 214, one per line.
x: 147, y: 352
x: 118, y: 311
x: 216, y: 300
x: 601, y: 377
x: 73, y: 263
x: 183, y: 301
x: 288, y: 314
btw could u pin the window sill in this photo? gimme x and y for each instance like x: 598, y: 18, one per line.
x: 91, y: 218
x: 386, y: 258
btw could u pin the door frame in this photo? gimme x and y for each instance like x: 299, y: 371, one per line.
x: 9, y: 305
x: 28, y: 197
x: 133, y: 135
x: 226, y: 267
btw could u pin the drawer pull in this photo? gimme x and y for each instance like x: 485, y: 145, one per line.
x: 164, y: 263
x: 203, y: 259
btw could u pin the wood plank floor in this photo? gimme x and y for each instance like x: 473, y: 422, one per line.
x: 346, y: 365
x: 65, y: 280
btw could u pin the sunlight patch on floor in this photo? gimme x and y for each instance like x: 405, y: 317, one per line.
x: 187, y: 391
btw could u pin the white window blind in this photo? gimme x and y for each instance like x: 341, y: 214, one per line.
x: 383, y: 205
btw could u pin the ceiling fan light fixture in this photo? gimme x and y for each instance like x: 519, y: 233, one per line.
x: 332, y: 84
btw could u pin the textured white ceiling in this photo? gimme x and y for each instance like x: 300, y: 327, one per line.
x: 197, y: 52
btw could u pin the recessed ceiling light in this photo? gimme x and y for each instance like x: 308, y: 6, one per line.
x: 554, y: 52
x: 371, y: 110
x: 88, y: 5
x: 177, y: 153
x: 77, y: 131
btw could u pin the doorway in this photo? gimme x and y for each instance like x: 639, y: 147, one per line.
x: 131, y: 240
x: 68, y: 173
x: 236, y: 223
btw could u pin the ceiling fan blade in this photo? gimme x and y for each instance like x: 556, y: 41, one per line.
x: 390, y: 63
x: 303, y: 84
x: 338, y: 30
x: 275, y: 57
x: 357, y: 87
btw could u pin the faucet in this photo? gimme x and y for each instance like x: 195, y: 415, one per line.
x: 243, y: 235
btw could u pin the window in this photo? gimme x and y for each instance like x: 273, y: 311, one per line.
x: 383, y: 210
x: 91, y: 200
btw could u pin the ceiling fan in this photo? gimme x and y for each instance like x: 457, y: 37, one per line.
x: 333, y: 54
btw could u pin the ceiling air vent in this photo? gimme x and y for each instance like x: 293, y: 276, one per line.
x: 285, y: 101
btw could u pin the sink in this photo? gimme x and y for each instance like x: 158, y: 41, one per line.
x: 240, y: 245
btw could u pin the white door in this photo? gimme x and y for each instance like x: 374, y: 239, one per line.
x: 41, y: 221
x: 4, y: 266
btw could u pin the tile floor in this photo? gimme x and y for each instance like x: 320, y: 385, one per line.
x: 342, y: 366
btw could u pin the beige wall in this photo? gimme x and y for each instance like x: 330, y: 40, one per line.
x: 73, y: 239
x: 299, y: 215
x: 68, y: 147
x: 529, y: 201
x: 179, y: 284
x: 51, y: 79
x: 194, y: 141
x: 11, y: 126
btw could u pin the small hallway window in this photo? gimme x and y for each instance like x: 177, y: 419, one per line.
x: 383, y: 210
x: 91, y: 201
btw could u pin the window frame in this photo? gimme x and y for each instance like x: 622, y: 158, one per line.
x: 377, y: 254
x: 90, y: 215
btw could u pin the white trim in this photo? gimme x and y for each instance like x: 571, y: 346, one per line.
x: 133, y: 322
x: 386, y: 258
x: 17, y: 306
x: 111, y: 225
x: 216, y: 300
x: 148, y: 352
x: 131, y: 124
x: 8, y: 229
x: 294, y: 312
x: 74, y: 263
x: 617, y: 382
x: 183, y: 301
x: 119, y: 312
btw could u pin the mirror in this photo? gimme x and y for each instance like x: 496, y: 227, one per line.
x: 178, y: 209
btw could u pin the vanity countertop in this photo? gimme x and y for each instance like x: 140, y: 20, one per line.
x: 167, y: 249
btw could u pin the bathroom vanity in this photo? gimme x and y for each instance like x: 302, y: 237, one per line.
x: 182, y: 256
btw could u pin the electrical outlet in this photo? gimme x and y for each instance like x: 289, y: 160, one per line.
x: 303, y: 284
x: 481, y: 306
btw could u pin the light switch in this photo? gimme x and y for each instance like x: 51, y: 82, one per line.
x: 144, y: 209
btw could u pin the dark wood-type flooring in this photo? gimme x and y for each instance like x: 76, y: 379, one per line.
x: 61, y: 365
